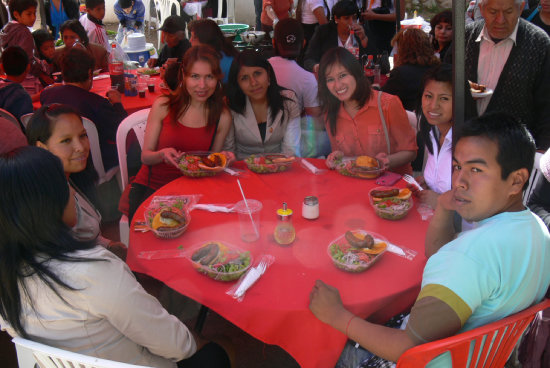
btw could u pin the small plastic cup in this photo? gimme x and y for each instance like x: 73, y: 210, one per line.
x: 142, y: 87
x: 249, y: 221
x: 151, y: 85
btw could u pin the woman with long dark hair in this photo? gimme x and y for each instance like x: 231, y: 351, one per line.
x: 59, y: 129
x: 441, y: 33
x: 195, y: 118
x: 361, y: 121
x: 71, y: 294
x: 266, y: 117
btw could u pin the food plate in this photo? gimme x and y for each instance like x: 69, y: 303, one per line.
x: 348, y: 167
x: 388, y: 206
x: 352, y: 259
x: 264, y: 163
x: 486, y: 93
x: 168, y: 219
x: 219, y: 260
x: 199, y: 163
x: 148, y: 71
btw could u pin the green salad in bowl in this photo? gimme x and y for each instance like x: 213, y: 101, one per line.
x: 220, y: 261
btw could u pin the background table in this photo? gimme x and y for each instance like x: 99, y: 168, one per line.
x: 275, y: 310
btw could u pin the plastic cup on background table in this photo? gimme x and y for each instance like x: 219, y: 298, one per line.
x: 142, y: 87
x: 249, y: 219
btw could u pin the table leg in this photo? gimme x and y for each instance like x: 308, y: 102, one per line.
x: 201, y: 318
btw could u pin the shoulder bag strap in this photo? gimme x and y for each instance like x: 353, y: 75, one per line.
x: 383, y: 120
x: 533, y: 14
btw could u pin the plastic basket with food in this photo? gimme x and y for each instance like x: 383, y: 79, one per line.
x: 168, y: 217
x: 264, y: 163
x: 391, y: 203
x: 357, y: 250
x: 219, y: 260
x: 148, y: 71
x: 364, y: 167
x: 199, y: 164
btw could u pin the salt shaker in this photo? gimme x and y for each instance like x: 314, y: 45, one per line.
x: 310, y: 208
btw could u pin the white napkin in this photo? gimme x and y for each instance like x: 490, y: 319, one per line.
x: 251, y: 277
x: 310, y: 167
x: 101, y: 76
x: 214, y: 207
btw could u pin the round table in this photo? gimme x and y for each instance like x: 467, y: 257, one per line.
x: 275, y: 309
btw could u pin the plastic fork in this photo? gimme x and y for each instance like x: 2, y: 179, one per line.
x: 409, y: 179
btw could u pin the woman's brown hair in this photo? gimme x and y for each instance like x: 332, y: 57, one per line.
x: 179, y: 102
x: 413, y: 47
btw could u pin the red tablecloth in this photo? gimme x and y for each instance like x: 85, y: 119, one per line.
x: 275, y: 310
x: 130, y: 103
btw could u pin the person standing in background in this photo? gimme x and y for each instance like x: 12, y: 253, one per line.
x: 92, y: 22
x: 273, y: 11
x: 59, y: 11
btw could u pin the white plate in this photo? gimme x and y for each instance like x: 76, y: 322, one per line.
x: 488, y: 92
x: 101, y: 76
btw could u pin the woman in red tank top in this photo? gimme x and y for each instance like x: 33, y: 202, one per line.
x: 193, y: 119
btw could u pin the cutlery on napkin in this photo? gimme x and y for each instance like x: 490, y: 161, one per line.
x: 162, y: 254
x: 310, y: 167
x: 238, y: 290
x: 401, y: 251
x: 214, y: 207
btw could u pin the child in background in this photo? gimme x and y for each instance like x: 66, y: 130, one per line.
x: 13, y: 97
x: 130, y: 14
x: 16, y: 33
x: 92, y: 22
x: 45, y: 44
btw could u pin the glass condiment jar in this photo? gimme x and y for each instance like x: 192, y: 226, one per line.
x: 310, y: 208
x: 284, y: 233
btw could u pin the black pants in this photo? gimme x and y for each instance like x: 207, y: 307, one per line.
x: 138, y: 193
x: 211, y: 355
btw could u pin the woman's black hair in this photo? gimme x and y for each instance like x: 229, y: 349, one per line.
x: 441, y: 73
x: 208, y: 32
x: 40, y: 129
x: 75, y: 26
x: 329, y: 103
x: 32, y: 233
x: 236, y: 99
x: 344, y: 8
x: 40, y: 36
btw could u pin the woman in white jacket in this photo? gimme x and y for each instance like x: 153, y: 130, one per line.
x: 266, y: 117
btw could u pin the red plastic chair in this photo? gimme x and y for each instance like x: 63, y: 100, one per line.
x: 507, y: 330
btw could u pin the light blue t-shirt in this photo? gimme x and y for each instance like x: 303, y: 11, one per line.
x: 499, y: 268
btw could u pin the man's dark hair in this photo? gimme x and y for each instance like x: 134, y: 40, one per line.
x: 75, y: 26
x: 124, y: 4
x: 20, y: 6
x: 91, y: 4
x: 76, y: 66
x: 516, y: 146
x: 344, y: 8
x: 14, y: 61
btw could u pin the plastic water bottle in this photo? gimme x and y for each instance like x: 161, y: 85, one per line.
x: 116, y: 69
x: 352, y: 45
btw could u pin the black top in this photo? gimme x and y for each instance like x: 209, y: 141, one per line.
x: 405, y: 82
x: 539, y: 202
x: 262, y: 127
x: 173, y: 52
x: 71, y: 8
x: 536, y: 20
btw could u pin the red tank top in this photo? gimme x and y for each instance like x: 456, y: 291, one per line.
x: 181, y: 138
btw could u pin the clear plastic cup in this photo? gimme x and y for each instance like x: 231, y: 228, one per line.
x: 249, y: 219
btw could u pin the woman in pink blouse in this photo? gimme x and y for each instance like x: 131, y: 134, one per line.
x: 353, y: 114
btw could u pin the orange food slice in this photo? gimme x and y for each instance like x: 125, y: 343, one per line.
x: 404, y: 193
x: 376, y: 248
x: 366, y: 161
x: 215, y: 157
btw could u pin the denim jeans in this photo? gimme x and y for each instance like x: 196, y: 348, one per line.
x: 258, y: 10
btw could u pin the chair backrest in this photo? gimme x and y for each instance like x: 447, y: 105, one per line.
x: 505, y: 333
x: 136, y: 121
x: 230, y: 13
x: 25, y: 119
x: 30, y: 353
x: 9, y: 116
x: 95, y: 151
x: 164, y: 9
x: 535, y: 173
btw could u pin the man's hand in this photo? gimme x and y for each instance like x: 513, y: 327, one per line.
x: 368, y: 15
x: 446, y: 201
x: 114, y: 96
x: 360, y: 33
x: 325, y: 302
x: 151, y: 63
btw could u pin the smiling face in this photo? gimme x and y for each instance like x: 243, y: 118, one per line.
x: 98, y: 12
x: 437, y: 104
x: 340, y: 82
x: 254, y: 82
x: 545, y: 6
x: 501, y: 17
x: 27, y: 17
x: 479, y: 190
x: 69, y: 38
x: 48, y: 49
x: 200, y: 82
x: 69, y: 142
x: 443, y: 33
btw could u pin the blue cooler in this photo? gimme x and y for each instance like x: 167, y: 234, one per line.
x: 142, y: 55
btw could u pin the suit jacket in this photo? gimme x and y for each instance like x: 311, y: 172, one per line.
x: 281, y: 135
x: 523, y: 89
x: 326, y: 38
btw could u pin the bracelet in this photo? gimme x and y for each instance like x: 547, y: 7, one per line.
x: 349, y: 322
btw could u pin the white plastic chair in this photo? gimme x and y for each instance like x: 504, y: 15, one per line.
x: 412, y: 120
x: 30, y: 353
x: 137, y: 121
x: 9, y: 116
x: 164, y: 9
x: 230, y: 14
x: 95, y: 150
x: 25, y: 119
x: 535, y: 173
